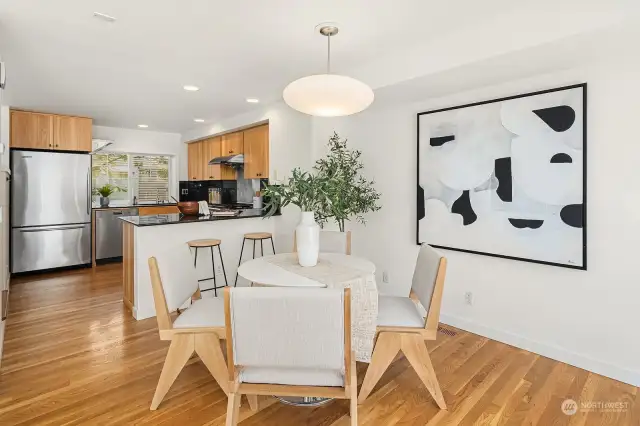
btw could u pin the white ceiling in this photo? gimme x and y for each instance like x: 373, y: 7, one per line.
x: 61, y: 59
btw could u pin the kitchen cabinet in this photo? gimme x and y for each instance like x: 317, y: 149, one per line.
x: 153, y: 210
x: 50, y: 132
x: 194, y: 160
x: 72, y: 133
x: 232, y: 143
x: 256, y: 152
x: 31, y: 130
x: 213, y: 149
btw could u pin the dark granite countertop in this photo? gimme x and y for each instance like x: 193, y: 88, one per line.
x: 127, y: 205
x: 170, y: 219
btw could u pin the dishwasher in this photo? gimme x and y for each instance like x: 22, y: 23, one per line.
x: 109, y: 233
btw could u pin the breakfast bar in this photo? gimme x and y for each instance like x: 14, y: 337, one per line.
x: 146, y: 236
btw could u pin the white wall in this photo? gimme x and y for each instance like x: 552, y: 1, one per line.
x: 145, y: 142
x: 289, y: 147
x: 4, y: 136
x: 585, y: 318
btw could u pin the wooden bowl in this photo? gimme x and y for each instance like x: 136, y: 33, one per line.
x: 189, y: 208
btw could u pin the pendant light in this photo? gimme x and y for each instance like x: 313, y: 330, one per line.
x: 328, y: 95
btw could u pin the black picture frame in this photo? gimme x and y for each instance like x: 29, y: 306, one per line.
x: 420, y: 194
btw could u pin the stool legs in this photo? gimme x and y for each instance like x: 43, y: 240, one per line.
x: 226, y: 283
x: 213, y: 267
x: 215, y: 282
x: 272, y: 246
x: 235, y: 284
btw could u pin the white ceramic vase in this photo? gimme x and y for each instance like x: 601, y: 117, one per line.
x: 308, y: 240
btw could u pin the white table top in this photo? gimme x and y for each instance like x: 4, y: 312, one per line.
x: 263, y: 272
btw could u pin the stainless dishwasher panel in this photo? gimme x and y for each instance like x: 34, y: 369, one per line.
x: 109, y: 232
x: 45, y: 247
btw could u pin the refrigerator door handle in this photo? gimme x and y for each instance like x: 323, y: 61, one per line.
x: 58, y: 228
x: 89, y: 190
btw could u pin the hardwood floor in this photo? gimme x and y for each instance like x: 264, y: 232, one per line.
x: 74, y: 356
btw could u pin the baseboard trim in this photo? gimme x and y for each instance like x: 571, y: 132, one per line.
x: 551, y: 351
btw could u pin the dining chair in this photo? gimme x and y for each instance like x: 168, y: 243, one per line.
x: 401, y: 327
x: 331, y: 242
x: 197, y: 329
x: 303, y: 349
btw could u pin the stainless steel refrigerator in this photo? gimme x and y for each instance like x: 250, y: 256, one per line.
x: 50, y: 210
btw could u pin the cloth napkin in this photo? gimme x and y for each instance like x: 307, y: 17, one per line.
x: 203, y: 208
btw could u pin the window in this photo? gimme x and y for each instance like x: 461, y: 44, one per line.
x: 111, y: 169
x: 135, y: 175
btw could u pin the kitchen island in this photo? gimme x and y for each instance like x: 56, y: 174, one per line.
x: 146, y: 236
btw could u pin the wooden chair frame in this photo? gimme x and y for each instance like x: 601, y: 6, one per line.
x: 347, y: 250
x: 204, y: 341
x: 237, y: 389
x: 411, y: 341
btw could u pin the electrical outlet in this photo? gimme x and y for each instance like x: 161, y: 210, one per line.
x: 385, y: 277
x: 468, y: 298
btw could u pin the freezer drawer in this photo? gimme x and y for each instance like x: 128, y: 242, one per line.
x: 109, y: 232
x: 45, y: 247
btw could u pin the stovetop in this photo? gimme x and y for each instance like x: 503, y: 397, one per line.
x: 232, y: 206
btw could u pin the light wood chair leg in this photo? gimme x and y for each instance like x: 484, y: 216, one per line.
x: 415, y: 350
x: 385, y: 351
x: 354, y: 393
x: 207, y: 347
x: 233, y: 409
x: 180, y: 351
x: 253, y: 402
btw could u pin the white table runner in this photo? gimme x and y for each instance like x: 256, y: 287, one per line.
x: 364, y: 295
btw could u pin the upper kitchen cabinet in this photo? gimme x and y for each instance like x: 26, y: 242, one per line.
x: 31, y: 130
x: 256, y: 152
x: 232, y: 144
x: 51, y: 132
x: 195, y: 160
x: 71, y: 133
x: 213, y: 149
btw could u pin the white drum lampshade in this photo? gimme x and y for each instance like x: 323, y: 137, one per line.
x: 328, y: 95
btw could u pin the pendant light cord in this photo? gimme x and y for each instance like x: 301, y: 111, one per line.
x: 329, y: 54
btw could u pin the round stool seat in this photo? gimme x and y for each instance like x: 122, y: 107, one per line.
x: 204, y: 243
x: 257, y: 235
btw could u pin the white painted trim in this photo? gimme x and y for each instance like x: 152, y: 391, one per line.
x: 551, y: 351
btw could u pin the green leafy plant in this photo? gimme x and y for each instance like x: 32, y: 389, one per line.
x: 106, y: 190
x: 303, y: 189
x: 348, y: 193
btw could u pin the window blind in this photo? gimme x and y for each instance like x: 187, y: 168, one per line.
x: 153, y: 177
x: 111, y: 169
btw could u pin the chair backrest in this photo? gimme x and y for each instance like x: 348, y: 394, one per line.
x: 288, y: 328
x: 331, y: 242
x: 428, y: 282
x: 173, y: 278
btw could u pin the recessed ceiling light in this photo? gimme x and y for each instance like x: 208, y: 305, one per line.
x: 104, y: 17
x: 190, y: 88
x: 143, y: 126
x: 253, y: 100
x: 199, y: 120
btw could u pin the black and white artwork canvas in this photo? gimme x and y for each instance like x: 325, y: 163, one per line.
x: 506, y: 177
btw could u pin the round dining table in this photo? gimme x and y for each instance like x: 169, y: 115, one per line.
x: 334, y: 270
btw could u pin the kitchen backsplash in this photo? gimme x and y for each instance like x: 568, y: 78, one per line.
x: 232, y: 191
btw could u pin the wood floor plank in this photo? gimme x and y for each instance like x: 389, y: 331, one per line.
x: 75, y: 356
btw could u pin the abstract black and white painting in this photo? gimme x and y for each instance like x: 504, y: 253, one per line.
x: 506, y: 177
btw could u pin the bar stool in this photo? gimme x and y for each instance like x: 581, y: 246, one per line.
x: 209, y: 243
x: 255, y: 236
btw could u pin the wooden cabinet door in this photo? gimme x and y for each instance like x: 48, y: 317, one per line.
x: 31, y: 130
x: 232, y: 144
x: 71, y: 133
x: 256, y: 153
x: 211, y: 150
x: 194, y: 160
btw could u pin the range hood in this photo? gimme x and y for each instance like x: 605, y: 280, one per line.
x: 231, y: 160
x: 98, y: 145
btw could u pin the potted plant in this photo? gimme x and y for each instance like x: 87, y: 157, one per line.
x: 348, y: 193
x: 308, y: 192
x: 105, y: 191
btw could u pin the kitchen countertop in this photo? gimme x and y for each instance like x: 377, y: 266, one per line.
x: 170, y: 219
x: 127, y: 205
